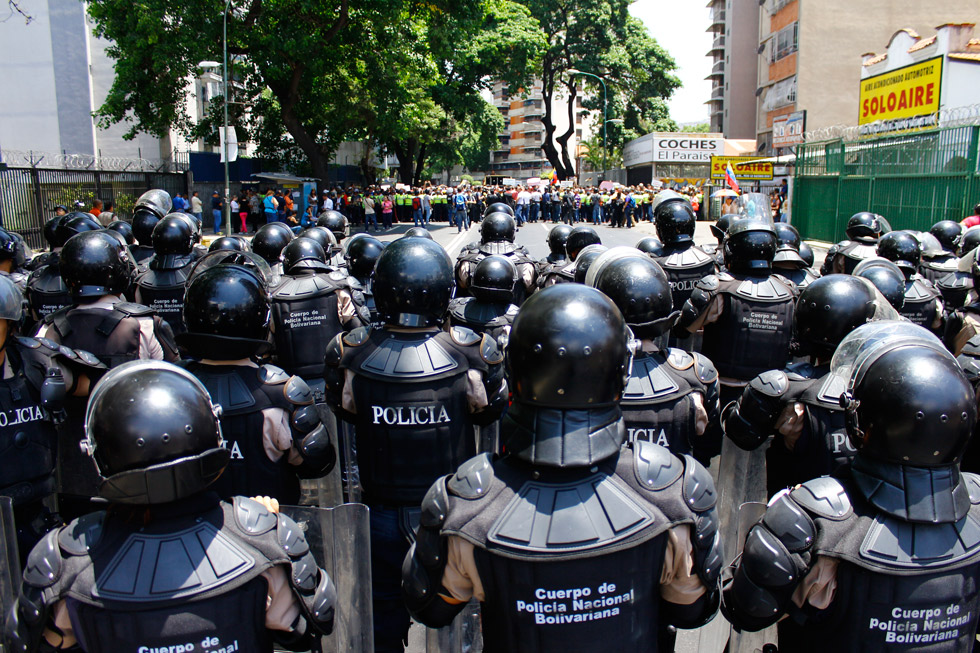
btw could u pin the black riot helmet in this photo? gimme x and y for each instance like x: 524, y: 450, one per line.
x: 413, y: 282
x: 580, y: 238
x: 494, y: 280
x: 173, y: 235
x: 887, y: 277
x: 143, y: 223
x: 230, y: 243
x: 123, y: 228
x: 11, y: 248
x: 270, y: 240
x: 335, y: 221
x: 788, y: 249
x: 303, y: 253
x: 806, y: 253
x: 675, y: 222
x: 94, y: 264
x: 498, y: 227
x: 948, y: 233
x: 970, y: 240
x: 321, y: 235
x: 651, y: 247
x: 51, y: 232
x: 196, y: 226
x: 418, y: 232
x: 154, y: 434
x: 227, y: 312
x: 362, y: 255
x: 11, y: 303
x: 76, y: 223
x: 830, y: 308
x: 641, y: 291
x: 557, y: 238
x: 499, y: 207
x: 909, y: 403
x: 155, y: 201
x: 866, y: 227
x: 585, y: 259
x: 720, y: 228
x: 902, y: 249
x: 750, y: 246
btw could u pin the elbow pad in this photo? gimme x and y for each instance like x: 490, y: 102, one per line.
x: 752, y: 419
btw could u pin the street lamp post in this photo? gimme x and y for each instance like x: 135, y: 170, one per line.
x: 573, y: 71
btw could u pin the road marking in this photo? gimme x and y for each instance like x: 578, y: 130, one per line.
x: 454, y: 245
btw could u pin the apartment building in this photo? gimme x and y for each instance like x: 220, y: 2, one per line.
x: 735, y: 26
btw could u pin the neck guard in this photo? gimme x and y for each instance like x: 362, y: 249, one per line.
x: 562, y: 438
x: 928, y: 495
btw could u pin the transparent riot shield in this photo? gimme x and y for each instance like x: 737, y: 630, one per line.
x: 10, y: 577
x: 463, y: 635
x: 340, y: 540
x: 749, y: 514
x: 329, y: 490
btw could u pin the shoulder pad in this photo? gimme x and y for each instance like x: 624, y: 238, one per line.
x: 799, y: 371
x: 790, y: 523
x: 44, y: 564
x: 50, y: 345
x: 78, y: 537
x: 253, y: 517
x: 679, y: 359
x: 655, y: 467
x: 705, y: 369
x: 489, y: 351
x: 824, y: 497
x: 272, y: 375
x: 290, y: 537
x: 133, y: 310
x: 334, y: 352
x: 463, y: 336
x: 725, y: 276
x: 351, y: 282
x: 435, y: 505
x: 297, y: 392
x: 773, y: 383
x: 29, y: 343
x: 473, y: 478
x: 356, y: 337
x: 710, y: 283
x: 699, y: 489
x: 972, y: 486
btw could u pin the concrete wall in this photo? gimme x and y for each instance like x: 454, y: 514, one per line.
x: 741, y: 56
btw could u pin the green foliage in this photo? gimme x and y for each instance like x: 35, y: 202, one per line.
x: 702, y: 128
x: 124, y: 204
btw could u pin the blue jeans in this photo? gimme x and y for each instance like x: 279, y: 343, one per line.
x: 388, y: 550
x: 462, y: 220
x: 216, y: 213
x: 417, y: 217
x: 534, y: 211
x: 426, y: 213
x: 575, y: 213
x: 596, y: 214
x: 200, y: 216
x: 370, y: 219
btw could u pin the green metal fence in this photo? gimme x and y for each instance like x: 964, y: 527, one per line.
x: 914, y: 180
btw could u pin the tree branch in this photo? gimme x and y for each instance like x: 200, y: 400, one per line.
x: 15, y: 9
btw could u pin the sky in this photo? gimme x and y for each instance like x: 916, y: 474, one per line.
x: 679, y: 26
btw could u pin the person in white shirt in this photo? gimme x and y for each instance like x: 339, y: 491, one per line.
x: 523, y: 204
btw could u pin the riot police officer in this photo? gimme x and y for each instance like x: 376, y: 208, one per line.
x: 651, y: 246
x: 161, y: 285
x: 799, y: 406
x: 13, y: 258
x: 151, y: 207
x: 863, y: 231
x: 787, y: 262
x: 583, y: 262
x: 497, y: 232
x: 230, y: 244
x: 923, y: 304
x: 336, y: 223
x: 269, y: 241
x: 310, y: 306
x: 671, y: 397
x: 955, y: 286
x: 684, y: 262
x: 938, y: 262
x: 46, y: 291
x: 570, y: 550
x: 964, y: 322
x: 578, y: 239
x: 414, y: 393
x: 719, y: 229
x: 491, y: 309
x: 557, y: 257
x: 886, y: 277
x: 212, y: 574
x: 882, y: 556
x: 124, y: 229
x: 38, y: 376
x: 275, y: 433
x: 361, y: 256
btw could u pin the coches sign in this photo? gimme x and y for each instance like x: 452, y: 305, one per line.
x: 685, y: 148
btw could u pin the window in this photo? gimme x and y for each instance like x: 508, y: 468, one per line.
x: 783, y: 42
x: 780, y: 94
x: 578, y: 133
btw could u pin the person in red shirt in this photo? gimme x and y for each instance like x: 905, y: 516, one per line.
x: 972, y: 220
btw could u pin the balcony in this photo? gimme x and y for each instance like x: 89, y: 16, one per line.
x: 718, y: 45
x: 717, y: 71
x: 717, y: 18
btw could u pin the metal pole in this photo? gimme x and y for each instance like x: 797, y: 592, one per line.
x: 224, y: 71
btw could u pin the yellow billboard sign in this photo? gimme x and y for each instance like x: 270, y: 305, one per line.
x: 744, y: 167
x: 901, y: 99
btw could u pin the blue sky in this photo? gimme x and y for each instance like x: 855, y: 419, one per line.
x: 679, y: 26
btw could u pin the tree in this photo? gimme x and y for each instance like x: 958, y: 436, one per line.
x: 307, y: 75
x: 599, y: 37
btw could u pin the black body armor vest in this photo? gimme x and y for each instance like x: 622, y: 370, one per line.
x: 799, y: 277
x: 852, y: 252
x: 684, y: 268
x: 754, y: 330
x: 920, y: 302
x: 163, y: 291
x: 494, y: 320
x: 243, y: 393
x: 937, y: 267
x: 517, y: 254
x: 955, y: 287
x: 412, y: 423
x: 304, y: 308
x: 46, y: 292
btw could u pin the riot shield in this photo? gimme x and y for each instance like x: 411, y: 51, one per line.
x: 463, y: 635
x: 340, y: 540
x: 10, y: 577
x: 329, y: 489
x: 749, y: 514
